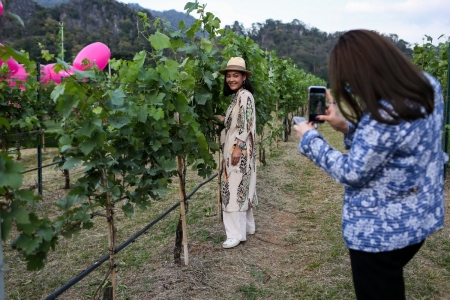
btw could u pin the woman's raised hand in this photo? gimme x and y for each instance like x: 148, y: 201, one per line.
x: 219, y: 117
x: 332, y: 115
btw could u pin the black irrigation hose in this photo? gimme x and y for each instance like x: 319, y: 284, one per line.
x: 143, y: 230
x: 199, y: 186
x: 49, y: 165
x: 94, y: 266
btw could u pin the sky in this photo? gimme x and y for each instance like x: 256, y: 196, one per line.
x: 411, y: 20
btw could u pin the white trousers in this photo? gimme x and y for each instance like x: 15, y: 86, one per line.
x: 238, y: 223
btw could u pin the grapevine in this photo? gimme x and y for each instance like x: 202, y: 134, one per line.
x: 120, y: 127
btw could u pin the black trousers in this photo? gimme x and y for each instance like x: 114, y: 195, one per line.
x: 379, y: 276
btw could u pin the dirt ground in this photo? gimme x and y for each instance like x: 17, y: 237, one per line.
x: 297, y: 251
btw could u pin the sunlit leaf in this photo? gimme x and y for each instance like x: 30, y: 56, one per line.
x: 159, y: 41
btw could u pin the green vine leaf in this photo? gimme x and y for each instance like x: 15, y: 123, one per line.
x: 118, y: 122
x: 206, y: 45
x: 159, y: 41
x: 20, y: 214
x: 190, y: 6
x: 4, y: 123
x: 10, y: 172
x: 71, y: 163
x: 58, y: 91
x: 117, y: 96
x: 128, y: 209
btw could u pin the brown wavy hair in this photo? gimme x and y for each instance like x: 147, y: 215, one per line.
x: 365, y: 68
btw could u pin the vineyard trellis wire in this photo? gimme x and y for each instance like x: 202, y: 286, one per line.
x: 39, y: 154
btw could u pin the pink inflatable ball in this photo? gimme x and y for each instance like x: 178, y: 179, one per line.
x: 13, y: 84
x: 1, y: 8
x: 97, y: 53
x: 50, y: 74
x: 67, y: 73
x: 12, y: 64
x: 20, y: 75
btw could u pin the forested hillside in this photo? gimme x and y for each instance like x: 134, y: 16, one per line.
x: 116, y: 25
x: 307, y: 46
x: 50, y: 3
x: 85, y: 21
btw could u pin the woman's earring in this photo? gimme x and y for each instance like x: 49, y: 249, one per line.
x: 243, y: 83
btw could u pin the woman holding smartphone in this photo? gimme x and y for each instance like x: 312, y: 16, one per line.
x: 239, y: 156
x: 393, y: 174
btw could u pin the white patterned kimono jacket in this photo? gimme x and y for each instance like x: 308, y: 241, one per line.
x: 239, y: 182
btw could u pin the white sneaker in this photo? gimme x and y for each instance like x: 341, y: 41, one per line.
x: 230, y: 243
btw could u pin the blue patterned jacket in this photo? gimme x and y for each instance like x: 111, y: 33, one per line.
x: 393, y: 178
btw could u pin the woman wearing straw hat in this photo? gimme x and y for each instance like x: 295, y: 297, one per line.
x: 239, y: 161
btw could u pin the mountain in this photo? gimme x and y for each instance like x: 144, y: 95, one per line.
x: 50, y: 3
x: 116, y: 25
x: 172, y: 16
x: 85, y: 21
x: 307, y: 46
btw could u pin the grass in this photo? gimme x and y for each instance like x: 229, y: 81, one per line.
x: 251, y: 292
x: 297, y: 251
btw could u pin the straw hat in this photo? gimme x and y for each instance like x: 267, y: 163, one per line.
x: 236, y: 64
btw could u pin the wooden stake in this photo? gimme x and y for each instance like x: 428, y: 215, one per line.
x: 111, y: 234
x: 66, y: 179
x: 219, y: 191
x: 183, y: 210
x: 260, y: 148
x: 182, y: 203
x: 43, y: 141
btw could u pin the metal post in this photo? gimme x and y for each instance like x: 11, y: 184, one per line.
x: 2, y: 269
x: 39, y: 160
x: 39, y: 148
x: 62, y: 40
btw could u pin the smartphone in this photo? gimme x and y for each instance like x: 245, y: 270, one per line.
x: 298, y: 120
x: 316, y: 102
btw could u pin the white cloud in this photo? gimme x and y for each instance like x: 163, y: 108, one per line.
x: 409, y: 19
x: 421, y: 6
x: 364, y: 7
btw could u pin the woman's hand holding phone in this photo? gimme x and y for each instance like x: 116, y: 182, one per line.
x: 332, y: 115
x: 302, y: 126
